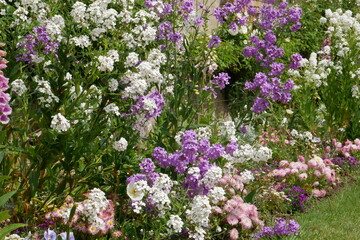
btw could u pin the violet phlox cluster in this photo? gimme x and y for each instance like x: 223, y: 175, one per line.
x: 35, y: 45
x: 198, y: 183
x: 94, y: 216
x: 281, y: 228
x: 232, y: 11
x: 297, y: 195
x: 5, y: 109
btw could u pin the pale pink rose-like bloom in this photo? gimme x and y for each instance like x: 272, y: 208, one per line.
x: 245, y: 222
x: 318, y: 193
x: 231, y: 191
x: 357, y: 142
x: 232, y: 220
x: 217, y: 209
x: 233, y: 234
x: 317, y: 173
x: 301, y: 159
x: 315, y: 184
x: 303, y: 176
x: 312, y: 163
x: 304, y: 167
x: 294, y: 171
x: 327, y: 162
x: 328, y: 149
x: 283, y: 163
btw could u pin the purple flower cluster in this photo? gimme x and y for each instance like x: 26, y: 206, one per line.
x: 349, y: 161
x: 151, y: 111
x: 267, y: 54
x: 165, y: 32
x: 221, y: 80
x: 5, y: 109
x: 281, y: 228
x: 235, y: 8
x: 194, y: 153
x: 214, y: 42
x: 297, y: 195
x: 167, y: 8
x: 36, y: 44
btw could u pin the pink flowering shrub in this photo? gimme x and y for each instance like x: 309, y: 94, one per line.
x: 94, y: 216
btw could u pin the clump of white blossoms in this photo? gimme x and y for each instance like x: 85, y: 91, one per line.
x: 82, y: 41
x: 113, y: 85
x: 120, y: 145
x: 175, y: 224
x: 227, y: 129
x: 60, y: 123
x: 247, y: 153
x: 106, y: 63
x: 18, y: 87
x: 54, y: 27
x: 247, y: 176
x: 44, y: 89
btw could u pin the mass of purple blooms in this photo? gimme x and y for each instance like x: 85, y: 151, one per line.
x: 297, y: 195
x: 222, y: 79
x: 349, y: 161
x: 281, y: 228
x: 36, y: 44
x: 139, y: 107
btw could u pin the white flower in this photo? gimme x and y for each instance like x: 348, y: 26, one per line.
x: 60, y: 123
x: 106, y: 63
x: 18, y: 87
x: 82, y: 41
x: 247, y: 176
x: 174, y: 224
x: 113, y: 85
x: 120, y: 145
x: 136, y: 190
x: 132, y: 59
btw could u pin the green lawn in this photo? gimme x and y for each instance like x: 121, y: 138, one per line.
x: 337, y: 217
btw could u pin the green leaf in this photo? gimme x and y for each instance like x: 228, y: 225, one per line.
x: 4, y: 231
x: 250, y: 197
x: 4, y: 215
x: 1, y: 156
x: 4, y: 198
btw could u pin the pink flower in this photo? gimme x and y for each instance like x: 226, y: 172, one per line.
x: 301, y: 159
x: 318, y: 193
x: 315, y: 184
x: 233, y: 234
x: 312, y: 163
x: 303, y: 176
x: 283, y: 163
x: 232, y: 220
x: 317, y: 173
x: 245, y: 222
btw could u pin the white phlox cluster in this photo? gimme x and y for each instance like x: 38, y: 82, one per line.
x: 60, y: 123
x: 106, y: 63
x: 54, y: 27
x: 26, y: 10
x: 46, y: 94
x: 227, y: 129
x: 247, y: 153
x: 18, y: 86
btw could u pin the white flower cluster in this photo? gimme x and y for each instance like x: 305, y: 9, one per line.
x: 271, y: 193
x: 18, y: 87
x: 147, y: 72
x: 142, y: 32
x: 106, y: 63
x: 54, y: 27
x: 316, y: 71
x: 212, y: 176
x: 82, y: 41
x: 198, y: 214
x: 203, y: 133
x: 175, y: 224
x: 60, y: 123
x: 120, y: 145
x: 27, y: 9
x: 355, y: 91
x: 112, y: 108
x: 306, y: 136
x: 227, y: 129
x: 14, y: 237
x: 247, y: 176
x: 96, y: 15
x: 216, y: 195
x: 44, y: 88
x: 247, y: 152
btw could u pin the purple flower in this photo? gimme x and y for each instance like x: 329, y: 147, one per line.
x: 216, y: 151
x: 212, y: 90
x: 221, y: 80
x: 147, y: 166
x: 295, y: 61
x: 276, y: 69
x: 204, y: 146
x: 260, y: 105
x: 231, y: 147
x: 295, y: 27
x: 135, y: 178
x: 49, y: 235
x: 160, y: 155
x: 214, y: 42
x: 63, y: 236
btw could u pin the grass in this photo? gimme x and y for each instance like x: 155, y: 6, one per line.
x: 337, y: 217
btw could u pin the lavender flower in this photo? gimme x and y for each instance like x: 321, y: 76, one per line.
x: 214, y: 42
x: 221, y: 80
x: 281, y: 228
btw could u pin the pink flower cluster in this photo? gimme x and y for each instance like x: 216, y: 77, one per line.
x: 241, y: 214
x: 5, y: 108
x: 345, y: 149
x: 316, y: 168
x: 232, y: 184
x: 94, y: 216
